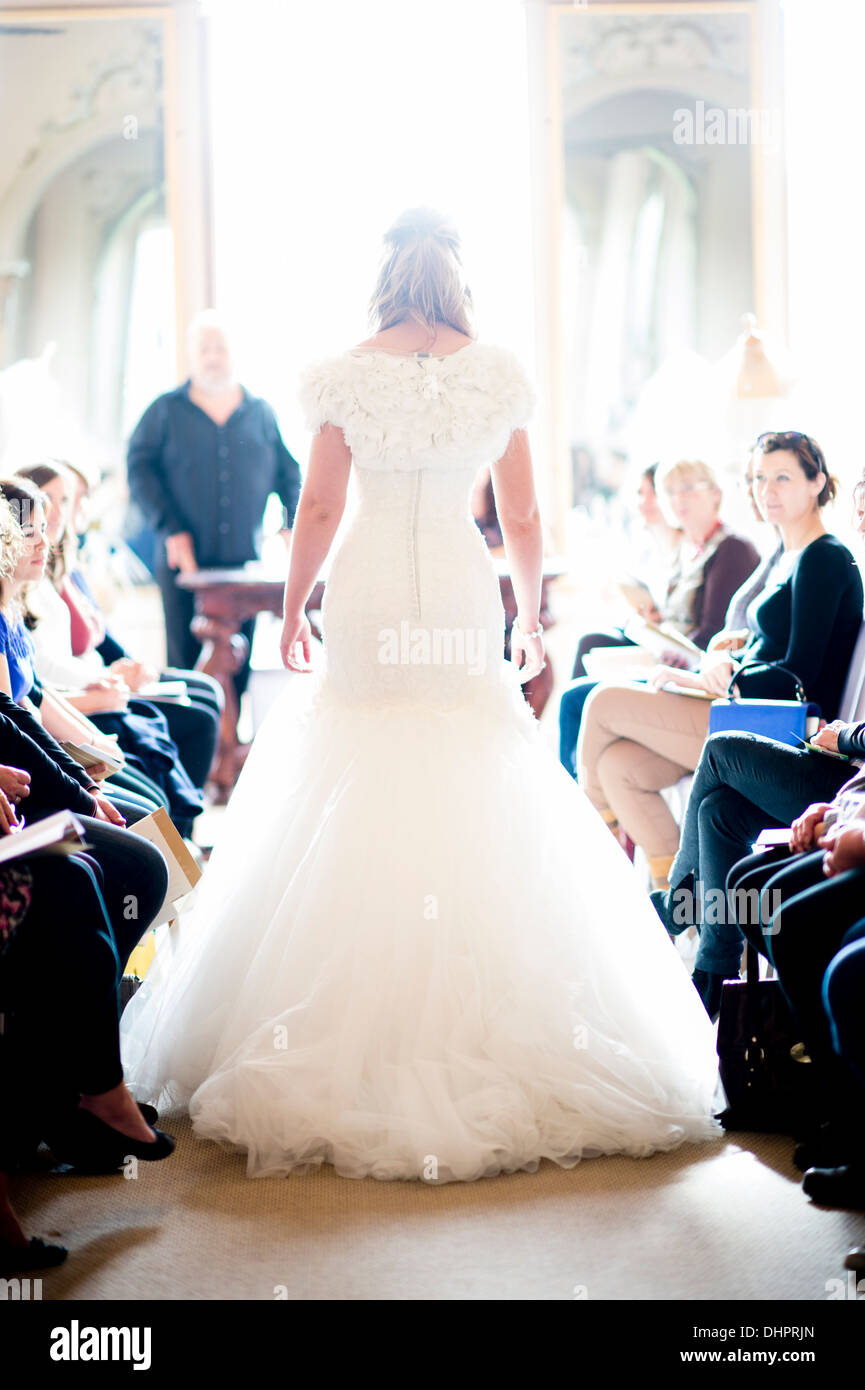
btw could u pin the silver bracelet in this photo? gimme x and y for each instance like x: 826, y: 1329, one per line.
x: 539, y: 633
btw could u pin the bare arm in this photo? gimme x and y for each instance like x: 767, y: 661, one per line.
x: 520, y: 522
x: 319, y: 512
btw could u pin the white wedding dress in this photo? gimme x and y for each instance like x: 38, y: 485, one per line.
x: 416, y: 950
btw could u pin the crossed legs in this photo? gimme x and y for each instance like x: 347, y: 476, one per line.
x: 634, y: 742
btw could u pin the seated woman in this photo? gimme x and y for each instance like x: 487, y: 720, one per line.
x: 22, y: 559
x: 139, y: 731
x: 637, y: 740
x: 710, y: 565
x: 37, y: 774
x: 71, y: 631
x: 73, y: 1096
x: 652, y: 566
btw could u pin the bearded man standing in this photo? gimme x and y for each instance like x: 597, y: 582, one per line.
x: 202, y: 463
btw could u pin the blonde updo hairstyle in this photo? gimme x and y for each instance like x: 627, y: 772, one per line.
x: 421, y: 276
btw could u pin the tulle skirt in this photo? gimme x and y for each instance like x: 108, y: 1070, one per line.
x: 417, y: 952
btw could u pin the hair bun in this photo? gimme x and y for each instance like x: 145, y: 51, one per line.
x: 416, y: 223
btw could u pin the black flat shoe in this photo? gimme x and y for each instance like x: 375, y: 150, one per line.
x: 670, y: 905
x: 824, y: 1148
x: 91, y: 1146
x: 660, y: 898
x: 150, y: 1113
x: 18, y: 1259
x: 836, y: 1187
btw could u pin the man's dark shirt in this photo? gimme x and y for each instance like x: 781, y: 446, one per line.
x: 186, y: 473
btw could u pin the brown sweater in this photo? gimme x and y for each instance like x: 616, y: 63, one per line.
x: 701, y: 587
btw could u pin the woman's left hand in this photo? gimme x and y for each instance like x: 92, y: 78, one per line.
x: 716, y: 672
x: 296, y: 633
x: 828, y: 735
x: 844, y: 848
x: 8, y: 818
x: 105, y: 809
x: 677, y: 660
x: 671, y: 675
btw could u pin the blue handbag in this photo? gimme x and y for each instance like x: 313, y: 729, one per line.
x: 786, y: 721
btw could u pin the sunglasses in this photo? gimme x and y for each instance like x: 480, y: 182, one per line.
x: 785, y: 437
x: 788, y: 437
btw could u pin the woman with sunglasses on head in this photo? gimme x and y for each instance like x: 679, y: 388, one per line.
x: 803, y: 626
x: 744, y: 784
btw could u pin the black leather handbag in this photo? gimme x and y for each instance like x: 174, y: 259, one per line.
x: 768, y: 1080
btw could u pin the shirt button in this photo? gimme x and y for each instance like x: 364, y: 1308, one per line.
x: 224, y: 476
x: 224, y: 501
x: 224, y: 527
x: 223, y: 451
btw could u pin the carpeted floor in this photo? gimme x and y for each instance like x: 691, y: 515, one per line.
x: 724, y: 1220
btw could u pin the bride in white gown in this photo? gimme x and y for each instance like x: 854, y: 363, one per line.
x: 416, y: 950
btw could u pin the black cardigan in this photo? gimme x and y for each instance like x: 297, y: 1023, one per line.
x: 56, y: 780
x: 807, y: 624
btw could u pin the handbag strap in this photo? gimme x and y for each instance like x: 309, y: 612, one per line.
x: 798, y: 687
x: 753, y: 1012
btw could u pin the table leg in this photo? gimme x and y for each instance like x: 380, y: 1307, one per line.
x: 223, y: 651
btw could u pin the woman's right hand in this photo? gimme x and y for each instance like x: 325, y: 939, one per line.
x: 296, y: 634
x: 650, y: 613
x: 808, y: 828
x: 827, y: 736
x: 527, y: 654
x: 132, y: 673
x: 14, y: 783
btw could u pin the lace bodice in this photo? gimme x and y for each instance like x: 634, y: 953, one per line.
x: 403, y: 412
